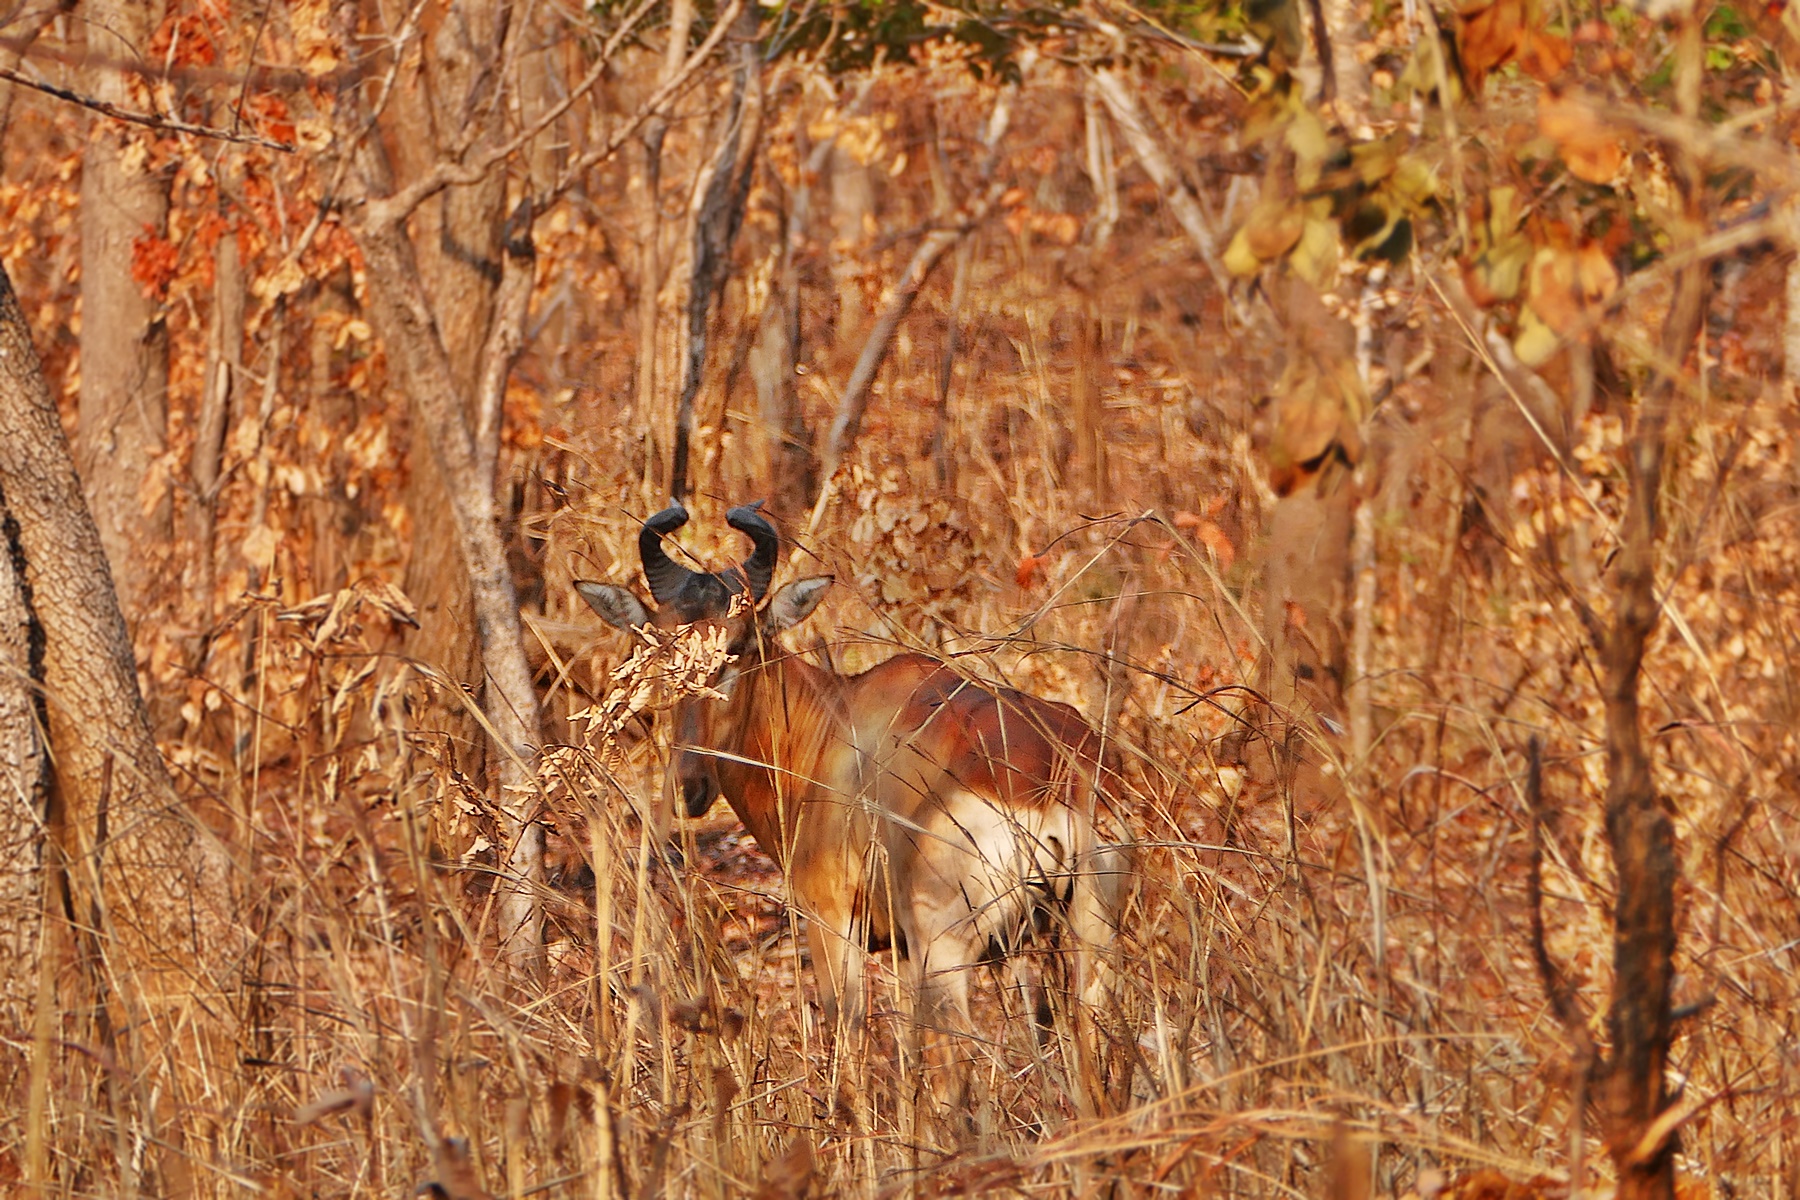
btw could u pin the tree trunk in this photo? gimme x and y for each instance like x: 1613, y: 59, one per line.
x: 657, y: 451
x: 420, y: 360
x: 1640, y: 833
x: 124, y: 342
x: 718, y: 211
x: 156, y: 878
x: 224, y: 378
x: 24, y: 791
x: 456, y: 237
x: 416, y: 354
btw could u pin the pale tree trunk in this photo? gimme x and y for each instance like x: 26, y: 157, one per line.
x: 416, y: 354
x: 1336, y: 28
x: 152, y: 874
x: 421, y: 361
x: 124, y: 342
x: 224, y: 378
x: 447, y: 110
x: 658, y: 454
x: 21, y: 32
x: 852, y: 208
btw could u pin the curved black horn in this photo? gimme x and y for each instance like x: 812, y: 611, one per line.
x: 759, y: 568
x: 665, y: 576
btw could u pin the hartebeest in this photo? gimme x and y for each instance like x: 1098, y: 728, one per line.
x: 905, y: 804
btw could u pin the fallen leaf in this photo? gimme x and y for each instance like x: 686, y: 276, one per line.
x: 1488, y: 36
x: 1315, y: 259
x: 1216, y: 542
x: 1545, y: 55
x: 789, y: 1177
x: 1589, y: 147
x: 1273, y: 228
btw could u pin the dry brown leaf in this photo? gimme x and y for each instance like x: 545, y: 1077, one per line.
x: 311, y: 20
x: 1567, y: 285
x: 1216, y: 540
x: 391, y: 600
x: 1273, y: 228
x: 1545, y: 55
x: 1492, y: 1185
x: 1590, y: 147
x: 1306, y: 416
x: 1031, y: 568
x: 789, y: 1177
x: 1208, y: 534
x: 358, y: 1097
x: 1488, y: 37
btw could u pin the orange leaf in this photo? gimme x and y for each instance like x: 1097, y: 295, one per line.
x: 1589, y: 147
x: 1215, y: 540
x: 1489, y: 37
x: 1545, y: 55
x: 1031, y: 566
x: 153, y: 261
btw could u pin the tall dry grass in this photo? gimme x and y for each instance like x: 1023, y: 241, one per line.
x: 1327, y: 965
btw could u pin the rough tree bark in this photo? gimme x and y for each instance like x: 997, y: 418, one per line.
x: 124, y: 342
x: 449, y: 108
x: 24, y: 795
x: 650, y: 261
x: 1633, y: 1079
x: 154, y: 876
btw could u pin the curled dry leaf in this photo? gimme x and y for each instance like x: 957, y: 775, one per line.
x: 789, y: 1177
x: 1590, y: 147
x: 1318, y: 411
x: 1274, y: 227
x: 1490, y: 35
x: 391, y: 600
x: 1567, y: 285
x: 1315, y: 258
x: 312, y: 35
x: 1502, y: 251
x: 1545, y: 55
x: 1217, y: 542
x: 357, y: 1096
x: 456, y: 1175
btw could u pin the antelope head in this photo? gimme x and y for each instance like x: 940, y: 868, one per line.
x: 705, y: 727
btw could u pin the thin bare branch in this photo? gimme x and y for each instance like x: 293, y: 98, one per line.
x: 149, y: 120
x: 396, y: 208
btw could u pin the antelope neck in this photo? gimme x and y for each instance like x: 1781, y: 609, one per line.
x: 789, y: 715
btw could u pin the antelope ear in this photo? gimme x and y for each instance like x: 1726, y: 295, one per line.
x: 619, y: 606
x: 794, y: 603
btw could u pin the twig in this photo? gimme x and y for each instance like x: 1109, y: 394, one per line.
x: 151, y: 120
x: 1127, y: 112
x: 396, y: 208
x: 899, y: 301
x: 1565, y: 1001
x: 1563, y: 997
